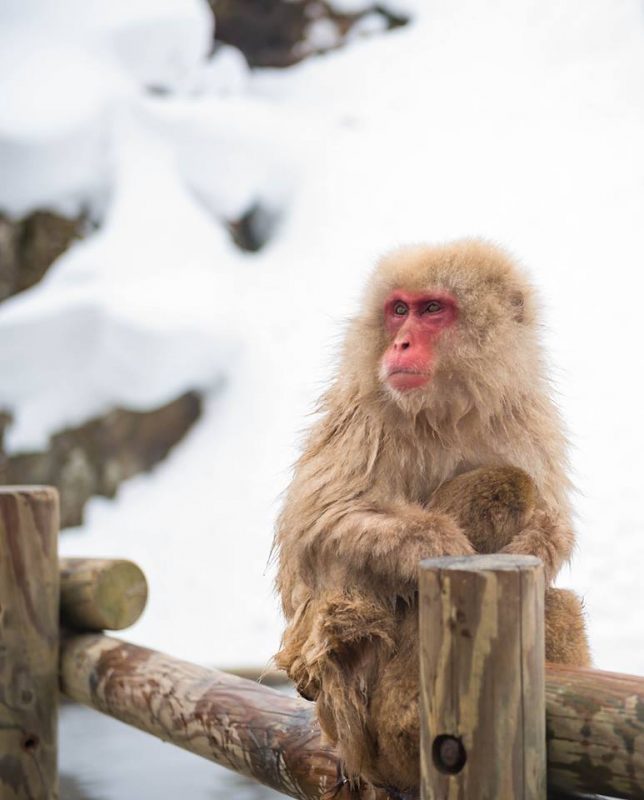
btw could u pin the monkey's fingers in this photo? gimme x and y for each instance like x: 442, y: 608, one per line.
x: 443, y: 538
x: 306, y: 681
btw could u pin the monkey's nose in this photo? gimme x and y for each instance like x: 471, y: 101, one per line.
x: 404, y: 345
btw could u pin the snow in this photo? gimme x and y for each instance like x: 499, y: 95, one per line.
x: 350, y: 6
x: 127, y: 316
x: 519, y: 121
x: 226, y: 72
x: 65, y: 73
x: 321, y: 34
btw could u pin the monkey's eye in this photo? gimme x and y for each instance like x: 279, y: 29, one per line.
x: 433, y: 307
x: 400, y: 309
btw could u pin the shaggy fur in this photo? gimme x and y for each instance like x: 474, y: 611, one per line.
x: 473, y: 462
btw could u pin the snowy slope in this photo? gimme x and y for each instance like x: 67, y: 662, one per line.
x: 519, y: 121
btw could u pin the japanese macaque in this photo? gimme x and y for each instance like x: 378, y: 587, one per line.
x: 438, y: 437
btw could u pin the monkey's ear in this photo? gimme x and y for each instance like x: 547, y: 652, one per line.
x: 517, y: 303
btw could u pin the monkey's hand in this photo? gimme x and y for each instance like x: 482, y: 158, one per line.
x: 442, y: 537
x: 388, y: 545
x: 546, y: 536
x: 293, y: 654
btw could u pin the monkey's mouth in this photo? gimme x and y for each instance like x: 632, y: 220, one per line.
x: 404, y: 379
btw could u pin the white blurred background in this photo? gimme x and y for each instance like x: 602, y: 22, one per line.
x: 224, y: 217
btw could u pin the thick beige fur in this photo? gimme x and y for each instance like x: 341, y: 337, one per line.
x: 474, y: 462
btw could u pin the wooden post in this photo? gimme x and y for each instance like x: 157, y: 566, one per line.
x: 28, y: 643
x: 101, y: 594
x: 482, y: 678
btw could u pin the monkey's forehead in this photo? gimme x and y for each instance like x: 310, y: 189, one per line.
x: 468, y: 268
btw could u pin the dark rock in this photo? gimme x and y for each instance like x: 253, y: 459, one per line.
x: 28, y: 247
x: 96, y: 457
x: 253, y: 229
x: 274, y: 33
x: 5, y: 421
x: 264, y: 30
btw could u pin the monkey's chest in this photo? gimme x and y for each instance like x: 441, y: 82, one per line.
x: 417, y: 479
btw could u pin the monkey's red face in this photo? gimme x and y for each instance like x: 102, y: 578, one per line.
x: 414, y: 322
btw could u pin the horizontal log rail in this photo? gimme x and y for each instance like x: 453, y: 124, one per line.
x: 251, y: 729
x: 595, y: 732
x: 594, y: 720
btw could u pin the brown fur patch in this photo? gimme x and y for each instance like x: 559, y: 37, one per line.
x: 490, y: 504
x: 566, y: 637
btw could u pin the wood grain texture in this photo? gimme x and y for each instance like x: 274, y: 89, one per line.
x: 595, y: 732
x: 101, y: 594
x: 242, y: 725
x: 595, y: 721
x: 482, y: 678
x: 28, y: 643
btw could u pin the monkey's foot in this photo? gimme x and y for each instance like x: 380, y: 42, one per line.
x: 394, y: 794
x: 344, y: 788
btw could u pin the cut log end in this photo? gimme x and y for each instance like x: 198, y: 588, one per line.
x: 101, y: 594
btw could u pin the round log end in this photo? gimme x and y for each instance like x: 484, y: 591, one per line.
x: 101, y: 594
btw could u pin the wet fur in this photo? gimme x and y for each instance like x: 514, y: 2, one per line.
x: 473, y: 463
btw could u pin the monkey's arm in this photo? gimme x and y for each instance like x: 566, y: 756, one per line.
x: 338, y: 576
x: 388, y: 543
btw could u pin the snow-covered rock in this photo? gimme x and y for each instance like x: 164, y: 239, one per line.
x: 66, y: 69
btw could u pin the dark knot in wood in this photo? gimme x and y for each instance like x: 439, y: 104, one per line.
x: 30, y: 742
x: 449, y: 754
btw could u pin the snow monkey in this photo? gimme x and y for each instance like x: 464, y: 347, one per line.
x: 438, y: 437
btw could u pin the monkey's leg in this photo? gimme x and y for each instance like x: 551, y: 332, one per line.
x: 490, y: 504
x: 394, y: 719
x: 352, y: 635
x: 566, y: 638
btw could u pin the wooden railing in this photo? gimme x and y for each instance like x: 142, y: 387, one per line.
x: 495, y: 722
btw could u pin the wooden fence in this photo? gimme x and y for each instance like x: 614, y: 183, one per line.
x: 496, y: 721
